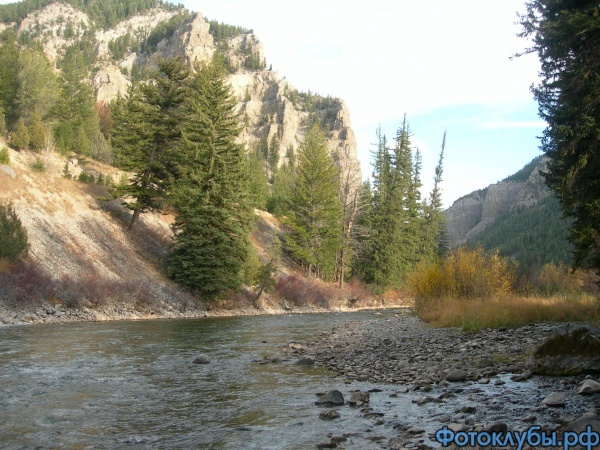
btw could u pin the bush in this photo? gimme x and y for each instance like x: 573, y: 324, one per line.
x: 24, y: 284
x: 303, y: 292
x: 38, y: 165
x: 4, y: 156
x: 13, y: 236
x: 464, y: 274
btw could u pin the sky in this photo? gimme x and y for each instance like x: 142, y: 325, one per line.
x: 446, y: 64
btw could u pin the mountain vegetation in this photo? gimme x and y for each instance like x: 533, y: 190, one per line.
x: 175, y: 134
x: 565, y: 36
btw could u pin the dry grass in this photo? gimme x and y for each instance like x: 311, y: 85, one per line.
x: 472, y: 315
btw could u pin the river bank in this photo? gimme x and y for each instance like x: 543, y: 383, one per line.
x: 57, y: 313
x: 467, y: 382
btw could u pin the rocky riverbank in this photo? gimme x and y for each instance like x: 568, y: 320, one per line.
x: 467, y: 382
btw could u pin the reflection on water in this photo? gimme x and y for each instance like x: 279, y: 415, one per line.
x: 132, y: 384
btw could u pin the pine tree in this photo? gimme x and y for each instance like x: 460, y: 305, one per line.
x: 13, y: 236
x: 19, y: 139
x: 274, y: 155
x: 37, y: 84
x: 566, y: 38
x: 213, y: 217
x: 315, y: 215
x: 9, y: 57
x: 434, y: 245
x: 259, y: 182
x: 37, y: 132
x: 147, y: 134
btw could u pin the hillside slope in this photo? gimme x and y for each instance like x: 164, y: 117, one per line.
x: 519, y: 216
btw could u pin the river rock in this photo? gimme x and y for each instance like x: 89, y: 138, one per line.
x: 329, y: 414
x: 580, y: 425
x: 334, y: 398
x: 201, y: 359
x: 574, y: 349
x: 305, y: 361
x: 457, y: 375
x: 359, y: 398
x: 589, y: 387
x: 7, y: 170
x: 554, y: 399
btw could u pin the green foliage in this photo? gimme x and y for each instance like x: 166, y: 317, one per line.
x: 9, y: 56
x: 283, y: 186
x: 222, y: 31
x: 315, y: 211
x: 258, y: 183
x: 2, y: 122
x: 37, y: 84
x: 105, y: 13
x: 13, y: 236
x: 147, y: 134
x: 164, y: 30
x: 212, y: 209
x: 19, y: 138
x: 4, y: 156
x: 38, y: 165
x: 254, y: 62
x: 523, y: 174
x: 533, y: 235
x: 37, y: 133
x: 566, y: 37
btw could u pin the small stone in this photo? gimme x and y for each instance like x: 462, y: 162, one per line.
x: 359, y: 398
x: 201, y: 359
x: 457, y: 427
x: 329, y: 415
x: 589, y: 387
x: 554, y: 399
x: 497, y: 427
x: 305, y: 361
x: 329, y: 444
x: 457, y: 375
x: 468, y: 409
x: 334, y: 397
x: 483, y: 381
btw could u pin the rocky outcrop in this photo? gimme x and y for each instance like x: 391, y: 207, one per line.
x: 573, y: 350
x: 473, y: 213
x: 270, y: 106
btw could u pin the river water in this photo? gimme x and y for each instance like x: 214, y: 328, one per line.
x: 133, y: 385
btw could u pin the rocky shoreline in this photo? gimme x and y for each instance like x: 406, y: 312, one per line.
x: 467, y: 382
x: 57, y: 313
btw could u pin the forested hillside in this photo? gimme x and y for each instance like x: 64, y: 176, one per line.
x: 518, y: 216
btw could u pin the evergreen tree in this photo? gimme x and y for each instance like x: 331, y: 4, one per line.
x: 19, y: 139
x: 566, y: 37
x: 274, y: 155
x: 9, y: 57
x: 37, y: 85
x: 13, y: 236
x: 434, y: 244
x: 37, y: 132
x: 315, y: 215
x: 213, y: 217
x: 283, y: 186
x: 258, y: 183
x: 147, y: 134
x: 2, y: 122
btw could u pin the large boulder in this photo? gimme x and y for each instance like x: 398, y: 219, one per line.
x: 574, y: 349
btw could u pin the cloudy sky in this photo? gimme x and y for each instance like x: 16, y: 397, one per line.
x: 444, y: 63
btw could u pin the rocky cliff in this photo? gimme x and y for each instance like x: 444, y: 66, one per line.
x: 470, y: 215
x: 269, y: 105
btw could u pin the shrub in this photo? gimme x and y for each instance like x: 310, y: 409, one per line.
x: 13, y: 236
x: 38, y: 165
x: 4, y: 156
x: 464, y: 274
x: 20, y: 137
x: 26, y: 283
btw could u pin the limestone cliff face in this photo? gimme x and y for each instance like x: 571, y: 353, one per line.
x: 471, y: 214
x: 269, y: 105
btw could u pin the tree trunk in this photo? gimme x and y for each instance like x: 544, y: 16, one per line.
x: 134, y: 218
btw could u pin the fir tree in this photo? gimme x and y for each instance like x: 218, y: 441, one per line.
x: 211, y: 202
x: 19, y: 139
x: 147, y: 135
x: 315, y: 214
x: 13, y: 236
x: 37, y: 132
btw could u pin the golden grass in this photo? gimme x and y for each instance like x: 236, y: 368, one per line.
x: 473, y: 314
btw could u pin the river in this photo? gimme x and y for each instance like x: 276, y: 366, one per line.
x: 133, y: 385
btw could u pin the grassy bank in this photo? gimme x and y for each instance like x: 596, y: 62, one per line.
x: 473, y: 289
x: 472, y: 315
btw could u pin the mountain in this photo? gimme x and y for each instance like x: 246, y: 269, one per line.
x: 519, y: 216
x: 122, y: 41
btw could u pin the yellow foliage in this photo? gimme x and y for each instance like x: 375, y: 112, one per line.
x: 466, y: 273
